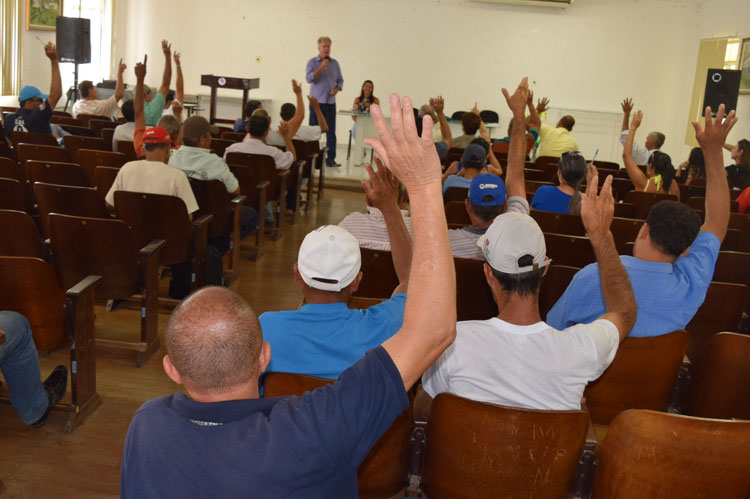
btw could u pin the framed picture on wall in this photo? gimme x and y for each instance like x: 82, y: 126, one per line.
x: 42, y: 14
x: 745, y: 67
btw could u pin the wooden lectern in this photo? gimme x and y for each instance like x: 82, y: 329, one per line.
x: 245, y: 84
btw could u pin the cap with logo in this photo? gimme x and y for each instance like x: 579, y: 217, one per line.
x: 487, y: 189
x: 511, y: 236
x: 156, y: 135
x: 329, y: 258
x: 29, y: 92
x: 474, y: 155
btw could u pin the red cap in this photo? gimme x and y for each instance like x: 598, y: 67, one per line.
x: 156, y: 135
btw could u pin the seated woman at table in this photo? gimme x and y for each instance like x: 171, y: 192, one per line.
x: 566, y: 197
x: 659, y: 176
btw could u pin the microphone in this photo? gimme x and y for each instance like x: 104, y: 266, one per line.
x: 328, y: 57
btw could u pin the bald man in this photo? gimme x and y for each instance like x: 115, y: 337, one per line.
x: 220, y: 440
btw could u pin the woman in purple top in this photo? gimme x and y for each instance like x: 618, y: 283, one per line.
x: 566, y: 197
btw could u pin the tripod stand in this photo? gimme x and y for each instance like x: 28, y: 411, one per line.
x: 72, y: 91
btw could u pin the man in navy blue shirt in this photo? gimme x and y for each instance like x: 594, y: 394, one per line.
x: 220, y: 440
x: 35, y: 112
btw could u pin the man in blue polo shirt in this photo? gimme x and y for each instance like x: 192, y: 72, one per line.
x: 674, y: 256
x: 220, y: 440
x: 325, y: 336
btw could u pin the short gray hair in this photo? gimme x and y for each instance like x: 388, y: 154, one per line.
x: 171, y: 124
x: 324, y: 39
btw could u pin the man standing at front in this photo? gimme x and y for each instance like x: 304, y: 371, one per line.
x: 325, y: 79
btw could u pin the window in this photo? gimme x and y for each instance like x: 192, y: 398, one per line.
x: 10, y: 22
x: 100, y: 14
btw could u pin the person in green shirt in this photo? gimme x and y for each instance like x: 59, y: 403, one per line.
x: 155, y: 102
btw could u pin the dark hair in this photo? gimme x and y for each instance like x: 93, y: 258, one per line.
x: 470, y: 122
x: 480, y: 141
x: 744, y: 163
x: 362, y: 92
x: 84, y: 88
x: 673, y: 226
x: 250, y: 107
x: 487, y: 213
x: 154, y: 147
x: 525, y: 283
x: 258, y: 125
x: 696, y: 163
x: 662, y: 164
x: 128, y: 110
x: 572, y: 168
x: 568, y: 122
x: 287, y: 111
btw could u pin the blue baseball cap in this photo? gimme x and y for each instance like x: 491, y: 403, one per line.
x: 29, y: 92
x: 487, y: 189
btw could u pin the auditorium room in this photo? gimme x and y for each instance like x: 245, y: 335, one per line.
x: 375, y: 249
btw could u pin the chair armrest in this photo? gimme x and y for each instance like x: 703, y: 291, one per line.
x: 79, y: 323
x: 238, y: 200
x: 85, y: 285
x: 152, y: 247
x: 201, y: 221
x: 261, y: 193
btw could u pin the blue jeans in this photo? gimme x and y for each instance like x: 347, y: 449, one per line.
x: 19, y: 362
x: 329, y: 113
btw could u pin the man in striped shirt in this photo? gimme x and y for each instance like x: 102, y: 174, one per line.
x: 485, y: 202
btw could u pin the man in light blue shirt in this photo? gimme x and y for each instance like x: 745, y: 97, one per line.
x: 325, y: 79
x: 674, y: 256
x: 324, y: 337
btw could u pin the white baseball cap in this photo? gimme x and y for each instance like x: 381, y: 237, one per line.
x: 511, y: 236
x: 329, y: 258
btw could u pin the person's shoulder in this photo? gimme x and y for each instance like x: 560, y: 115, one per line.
x: 154, y: 405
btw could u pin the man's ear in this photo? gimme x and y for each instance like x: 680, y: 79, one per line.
x: 297, y: 276
x: 265, y: 357
x: 467, y: 204
x: 171, y: 370
x: 354, y: 286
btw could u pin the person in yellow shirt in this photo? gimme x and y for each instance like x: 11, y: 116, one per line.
x: 556, y: 141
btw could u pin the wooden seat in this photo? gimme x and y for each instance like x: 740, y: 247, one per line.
x: 29, y: 286
x: 554, y: 284
x: 50, y: 172
x: 41, y: 153
x: 127, y: 148
x: 474, y: 299
x: 213, y: 199
x: 10, y: 169
x: 89, y: 159
x: 383, y: 472
x: 640, y: 377
x: 104, y: 177
x: 653, y: 454
x: 25, y: 240
x: 218, y: 146
x: 643, y: 201
x: 256, y: 191
x: 735, y: 240
x: 454, y: 154
x: 42, y: 139
x: 625, y: 230
x: 78, y: 131
x: 379, y: 278
x: 559, y: 223
x: 606, y: 165
x: 720, y: 379
x: 733, y: 266
x: 573, y: 251
x: 534, y: 175
x: 74, y: 142
x: 157, y: 216
x: 68, y: 200
x: 233, y: 136
x: 12, y: 195
x: 107, y: 248
x: 455, y: 194
x: 721, y: 311
x: 621, y: 186
x: 543, y: 161
x: 481, y: 450
x: 107, y: 134
x: 6, y: 151
x: 98, y: 125
x: 455, y: 213
x: 532, y: 186
x: 66, y: 121
x: 625, y: 210
x: 87, y: 118
x: 689, y: 191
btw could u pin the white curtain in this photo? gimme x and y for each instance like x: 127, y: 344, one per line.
x: 10, y: 47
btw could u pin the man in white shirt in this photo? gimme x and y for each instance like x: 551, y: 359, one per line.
x: 654, y: 140
x: 90, y: 103
x: 125, y: 131
x: 305, y: 133
x: 515, y: 359
x: 258, y: 128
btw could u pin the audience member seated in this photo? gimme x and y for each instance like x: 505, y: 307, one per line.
x: 553, y: 142
x: 470, y: 122
x: 258, y: 129
x: 659, y: 176
x: 19, y: 363
x: 172, y: 125
x: 153, y: 175
x: 219, y: 440
x: 324, y: 337
x: 654, y: 140
x: 441, y: 131
x: 35, y: 108
x: 739, y: 172
x: 175, y: 99
x: 515, y: 359
x: 294, y: 115
x: 492, y: 165
x: 89, y: 102
x: 240, y: 124
x: 695, y: 166
x: 197, y: 161
x: 155, y: 102
x: 485, y: 202
x: 125, y: 131
x: 566, y: 197
x: 460, y: 174
x: 671, y: 268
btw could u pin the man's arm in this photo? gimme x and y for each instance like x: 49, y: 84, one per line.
x: 140, y: 116
x: 482, y: 128
x: 179, y: 94
x: 627, y: 107
x: 711, y: 140
x: 320, y: 69
x: 55, y: 88
x: 321, y: 119
x: 515, y: 184
x: 285, y: 133
x: 120, y: 87
x: 597, y: 211
x: 438, y: 104
x: 167, y: 76
x: 636, y: 175
x: 429, y: 324
x: 299, y: 115
x: 534, y: 120
x: 382, y: 191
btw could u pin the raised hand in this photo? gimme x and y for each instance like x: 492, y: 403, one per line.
x: 296, y: 87
x: 412, y: 159
x: 542, y: 105
x: 591, y: 173
x: 597, y: 210
x: 636, y: 120
x: 140, y: 68
x: 166, y: 47
x: 714, y: 135
x: 437, y: 103
x: 627, y: 105
x: 517, y: 101
x: 50, y: 51
x: 382, y: 189
x: 313, y: 101
x: 530, y: 99
x: 475, y: 109
x: 177, y: 59
x: 121, y: 67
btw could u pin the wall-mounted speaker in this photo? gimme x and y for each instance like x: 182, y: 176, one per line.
x: 722, y: 87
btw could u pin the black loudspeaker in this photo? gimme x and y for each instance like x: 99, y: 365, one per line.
x: 74, y: 39
x: 722, y: 87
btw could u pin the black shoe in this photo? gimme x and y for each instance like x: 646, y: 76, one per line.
x: 55, y: 384
x: 332, y: 164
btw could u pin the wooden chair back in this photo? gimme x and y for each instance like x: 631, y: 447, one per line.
x: 10, y: 169
x: 12, y: 194
x: 554, y: 284
x: 265, y: 166
x: 41, y: 153
x: 213, y: 199
x: 41, y: 139
x: 735, y: 240
x: 559, y: 223
x: 643, y: 201
x: 573, y: 251
x: 25, y: 240
x: 86, y: 118
x: 454, y: 154
x: 621, y: 187
x: 49, y: 172
x: 625, y: 230
x: 655, y: 454
x: 29, y: 286
x: 233, y: 136
x: 107, y: 134
x: 474, y: 299
x: 455, y: 213
x: 104, y: 177
x: 89, y: 159
x: 74, y: 142
x: 640, y: 377
x: 721, y: 311
x: 534, y: 175
x: 6, y: 151
x: 68, y: 200
x: 157, y: 216
x: 383, y: 472
x: 66, y: 121
x: 606, y: 165
x: 690, y: 191
x: 379, y: 278
x: 456, y: 194
x: 97, y: 125
x: 532, y: 186
x: 78, y: 131
x: 625, y: 210
x: 127, y: 148
x: 720, y: 379
x: 218, y: 146
x: 542, y: 161
x: 480, y: 450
